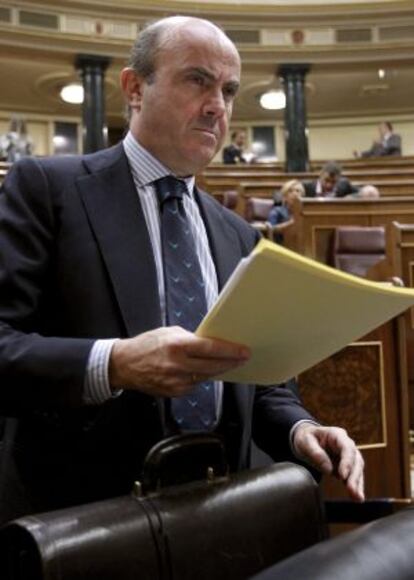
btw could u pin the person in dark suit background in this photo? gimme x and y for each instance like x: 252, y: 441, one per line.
x: 330, y: 183
x: 88, y: 366
x: 233, y: 153
x: 389, y: 143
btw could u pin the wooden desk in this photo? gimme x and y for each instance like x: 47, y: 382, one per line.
x: 315, y: 165
x: 375, y: 162
x: 211, y: 175
x: 317, y: 218
x: 363, y: 388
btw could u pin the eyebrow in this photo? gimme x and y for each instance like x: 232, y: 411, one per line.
x: 209, y: 76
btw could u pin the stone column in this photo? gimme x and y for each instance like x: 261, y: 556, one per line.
x: 92, y: 71
x: 296, y: 140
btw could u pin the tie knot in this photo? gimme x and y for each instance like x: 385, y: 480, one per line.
x: 169, y: 187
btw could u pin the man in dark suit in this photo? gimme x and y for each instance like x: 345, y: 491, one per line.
x: 233, y: 153
x: 330, y: 183
x: 89, y: 369
x: 389, y: 143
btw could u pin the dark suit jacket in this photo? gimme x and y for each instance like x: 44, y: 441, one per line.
x: 392, y: 146
x: 76, y: 265
x: 343, y: 187
x: 233, y: 155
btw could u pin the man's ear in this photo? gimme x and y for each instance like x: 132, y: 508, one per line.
x: 132, y: 86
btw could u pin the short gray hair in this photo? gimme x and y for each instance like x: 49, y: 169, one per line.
x: 153, y: 37
x: 143, y: 55
x: 146, y: 48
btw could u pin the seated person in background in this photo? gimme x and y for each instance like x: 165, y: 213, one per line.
x: 366, y: 192
x: 233, y: 153
x: 330, y: 183
x: 389, y: 143
x: 280, y: 216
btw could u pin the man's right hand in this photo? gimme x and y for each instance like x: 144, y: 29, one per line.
x: 168, y: 361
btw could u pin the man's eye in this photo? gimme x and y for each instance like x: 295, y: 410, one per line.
x: 229, y: 93
x: 198, y: 80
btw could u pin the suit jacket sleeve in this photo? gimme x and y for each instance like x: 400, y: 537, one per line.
x: 276, y: 410
x: 36, y: 370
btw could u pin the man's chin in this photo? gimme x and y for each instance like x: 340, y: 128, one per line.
x: 200, y: 157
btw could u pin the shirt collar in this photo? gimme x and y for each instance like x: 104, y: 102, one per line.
x: 145, y: 167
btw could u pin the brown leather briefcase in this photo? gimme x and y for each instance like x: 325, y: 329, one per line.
x: 216, y: 527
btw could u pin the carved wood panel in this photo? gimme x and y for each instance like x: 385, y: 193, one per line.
x: 347, y: 389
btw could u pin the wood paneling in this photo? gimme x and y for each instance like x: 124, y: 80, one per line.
x: 401, y: 257
x: 364, y: 389
x: 316, y: 220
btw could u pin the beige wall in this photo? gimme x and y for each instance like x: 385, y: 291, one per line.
x: 39, y: 127
x: 338, y: 138
x: 40, y: 132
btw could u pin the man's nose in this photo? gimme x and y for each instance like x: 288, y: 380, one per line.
x: 214, y: 105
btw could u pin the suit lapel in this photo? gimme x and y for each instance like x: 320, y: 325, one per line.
x: 112, y: 204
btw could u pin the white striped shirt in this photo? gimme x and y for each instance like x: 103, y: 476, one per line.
x: 145, y: 170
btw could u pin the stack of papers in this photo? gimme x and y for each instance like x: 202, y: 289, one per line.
x: 293, y: 312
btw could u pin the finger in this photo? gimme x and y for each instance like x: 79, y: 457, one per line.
x: 361, y: 487
x: 195, y: 378
x: 358, y: 493
x: 340, y: 448
x: 347, y: 456
x: 309, y: 449
x: 321, y: 460
x: 355, y: 481
x: 210, y: 348
x: 207, y: 369
x: 356, y: 490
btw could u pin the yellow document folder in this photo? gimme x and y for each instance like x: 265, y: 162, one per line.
x: 294, y: 312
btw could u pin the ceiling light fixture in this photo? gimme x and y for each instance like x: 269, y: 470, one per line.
x: 381, y: 73
x: 72, y: 93
x: 273, y: 100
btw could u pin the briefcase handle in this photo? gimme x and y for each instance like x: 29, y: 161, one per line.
x: 182, y: 459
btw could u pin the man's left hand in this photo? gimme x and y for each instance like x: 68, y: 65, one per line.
x: 331, y: 451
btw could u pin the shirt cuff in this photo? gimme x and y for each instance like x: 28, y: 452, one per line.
x: 292, y: 434
x: 97, y: 389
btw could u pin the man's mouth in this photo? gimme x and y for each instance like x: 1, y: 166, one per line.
x: 207, y: 131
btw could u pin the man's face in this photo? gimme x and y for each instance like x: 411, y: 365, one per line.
x: 183, y: 114
x: 328, y: 181
x: 383, y: 130
x: 240, y: 139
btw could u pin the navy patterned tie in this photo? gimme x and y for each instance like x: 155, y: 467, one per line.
x: 185, y: 296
